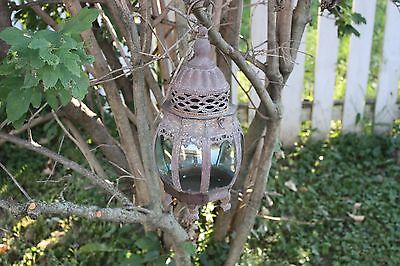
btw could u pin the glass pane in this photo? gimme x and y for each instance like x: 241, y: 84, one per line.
x: 163, y: 153
x: 190, y: 161
x: 222, y: 164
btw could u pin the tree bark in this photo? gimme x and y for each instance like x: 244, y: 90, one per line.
x: 128, y: 144
x: 81, y: 115
x: 230, y: 30
x: 5, y: 21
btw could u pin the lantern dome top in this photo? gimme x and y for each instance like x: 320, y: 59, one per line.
x: 200, y: 87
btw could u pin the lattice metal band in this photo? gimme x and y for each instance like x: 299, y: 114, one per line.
x: 200, y: 104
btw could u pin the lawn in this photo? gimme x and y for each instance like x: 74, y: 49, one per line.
x: 328, y: 203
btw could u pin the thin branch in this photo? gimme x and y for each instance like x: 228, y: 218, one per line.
x: 44, y: 2
x: 82, y: 146
x: 16, y: 182
x: 35, y: 122
x: 46, y: 17
x: 113, y: 34
x: 81, y: 143
x: 240, y: 61
x: 96, y: 180
x: 128, y: 144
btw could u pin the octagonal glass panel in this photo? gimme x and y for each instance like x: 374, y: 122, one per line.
x: 190, y: 164
x: 163, y: 154
x: 223, y: 164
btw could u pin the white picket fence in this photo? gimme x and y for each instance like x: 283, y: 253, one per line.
x: 383, y: 110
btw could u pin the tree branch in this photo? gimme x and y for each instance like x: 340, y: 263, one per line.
x: 144, y: 130
x: 284, y: 25
x: 105, y: 185
x: 301, y: 17
x: 37, y: 208
x: 240, y: 61
x: 121, y: 120
x: 80, y: 114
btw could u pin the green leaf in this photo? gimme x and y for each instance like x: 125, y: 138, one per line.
x: 85, y: 59
x: 48, y: 57
x: 8, y: 84
x: 52, y: 100
x: 6, y: 69
x: 36, y: 98
x: 147, y: 243
x: 95, y: 247
x: 80, y: 86
x: 65, y: 77
x: 13, y: 36
x: 39, y: 44
x: 30, y: 81
x: 18, y: 101
x: 20, y: 122
x: 71, y: 61
x: 35, y: 60
x: 49, y: 76
x: 358, y: 18
x: 65, y: 96
x: 81, y: 22
x: 188, y: 247
x: 151, y: 256
x: 49, y: 35
x: 68, y: 43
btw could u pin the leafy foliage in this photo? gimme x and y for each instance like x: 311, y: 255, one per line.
x: 331, y: 177
x: 344, y: 211
x: 346, y: 18
x: 44, y: 65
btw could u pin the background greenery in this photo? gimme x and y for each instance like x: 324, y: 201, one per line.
x: 305, y: 218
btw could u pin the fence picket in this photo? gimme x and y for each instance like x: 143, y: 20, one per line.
x: 385, y: 107
x: 234, y: 85
x: 358, y: 67
x: 325, y: 74
x: 292, y: 99
x: 259, y: 29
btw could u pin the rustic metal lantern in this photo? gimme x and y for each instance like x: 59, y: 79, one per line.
x: 198, y: 144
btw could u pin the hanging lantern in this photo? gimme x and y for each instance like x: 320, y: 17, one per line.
x: 198, y: 144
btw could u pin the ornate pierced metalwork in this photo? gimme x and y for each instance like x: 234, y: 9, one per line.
x: 198, y: 145
x: 200, y: 104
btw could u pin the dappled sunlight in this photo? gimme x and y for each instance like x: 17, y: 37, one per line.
x: 328, y: 199
x: 27, y: 230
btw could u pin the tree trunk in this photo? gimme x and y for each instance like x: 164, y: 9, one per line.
x: 230, y: 23
x: 5, y: 21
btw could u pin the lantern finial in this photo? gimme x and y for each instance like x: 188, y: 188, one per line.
x: 202, y: 49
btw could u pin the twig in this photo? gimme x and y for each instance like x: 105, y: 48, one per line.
x: 35, y: 122
x: 16, y: 182
x: 96, y: 180
x: 78, y: 140
x: 58, y: 152
x: 114, y: 36
x: 240, y: 61
x: 46, y: 17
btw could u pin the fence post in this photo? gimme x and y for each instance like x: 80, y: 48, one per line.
x: 258, y: 37
x: 358, y: 67
x: 325, y: 74
x: 292, y: 99
x: 385, y: 106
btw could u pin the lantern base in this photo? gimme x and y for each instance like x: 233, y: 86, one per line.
x: 199, y: 198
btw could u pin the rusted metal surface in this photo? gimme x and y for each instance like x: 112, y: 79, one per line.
x: 198, y: 143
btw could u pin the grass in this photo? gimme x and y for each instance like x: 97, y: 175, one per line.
x: 344, y: 176
x: 348, y: 174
